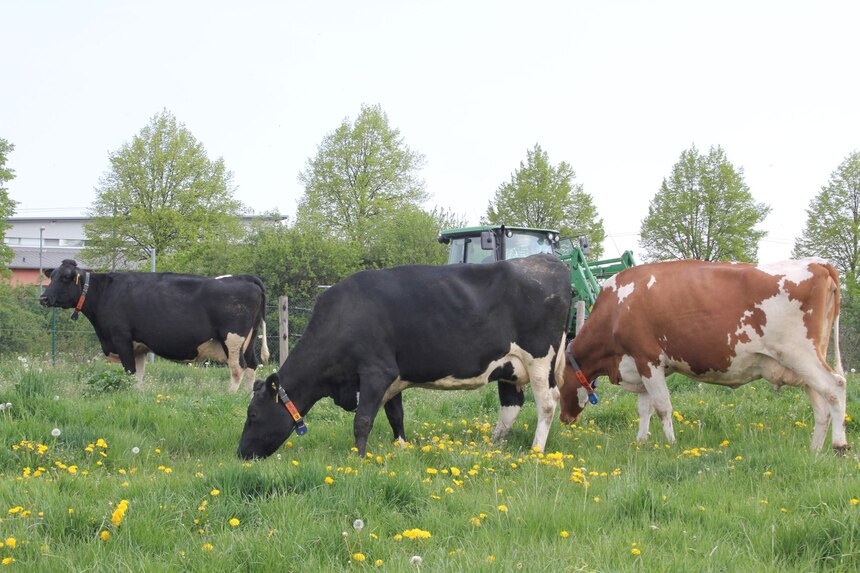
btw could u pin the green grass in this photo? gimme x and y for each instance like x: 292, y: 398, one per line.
x: 739, y: 491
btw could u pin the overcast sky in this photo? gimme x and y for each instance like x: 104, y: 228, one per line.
x: 616, y: 89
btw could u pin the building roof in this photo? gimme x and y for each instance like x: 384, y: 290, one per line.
x: 26, y: 257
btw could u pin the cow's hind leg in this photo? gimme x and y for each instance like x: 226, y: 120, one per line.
x: 821, y: 415
x: 645, y: 410
x: 139, y: 367
x: 546, y: 397
x: 511, y: 399
x: 828, y: 393
x: 658, y: 394
x: 250, y: 362
x: 394, y: 413
x: 233, y: 349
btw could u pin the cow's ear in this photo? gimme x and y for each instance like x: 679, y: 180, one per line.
x: 272, y: 384
x: 49, y: 272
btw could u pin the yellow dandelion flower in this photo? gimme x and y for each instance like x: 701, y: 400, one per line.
x: 635, y: 551
x: 564, y: 534
x: 329, y: 480
x: 358, y: 557
x: 724, y: 443
x: 491, y: 558
x: 11, y: 542
x: 597, y: 499
x: 207, y: 547
x: 214, y: 492
x: 8, y: 560
x: 503, y: 508
x: 432, y: 471
x: 105, y: 535
x: 417, y: 534
x: 234, y: 522
x: 855, y: 501
x: 475, y: 521
x: 378, y: 562
x: 119, y: 512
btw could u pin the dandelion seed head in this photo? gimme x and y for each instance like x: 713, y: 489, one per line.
x: 56, y: 432
x: 416, y: 560
x: 135, y: 450
x: 358, y: 524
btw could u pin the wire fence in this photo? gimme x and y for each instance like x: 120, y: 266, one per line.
x: 30, y: 332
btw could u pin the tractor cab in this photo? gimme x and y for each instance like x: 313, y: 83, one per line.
x: 488, y: 244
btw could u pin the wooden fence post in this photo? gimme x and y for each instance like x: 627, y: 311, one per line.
x: 283, y: 328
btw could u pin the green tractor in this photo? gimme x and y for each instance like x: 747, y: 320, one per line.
x: 488, y: 244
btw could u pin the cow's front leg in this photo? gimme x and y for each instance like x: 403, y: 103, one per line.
x: 128, y: 358
x: 511, y: 399
x: 545, y: 399
x: 658, y: 393
x: 373, y: 383
x: 394, y: 413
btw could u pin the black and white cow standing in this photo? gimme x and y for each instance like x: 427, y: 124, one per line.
x: 450, y: 327
x: 180, y: 317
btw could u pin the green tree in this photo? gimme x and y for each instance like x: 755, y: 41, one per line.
x: 703, y: 211
x: 361, y: 172
x: 7, y: 205
x: 541, y: 195
x: 162, y: 192
x: 833, y: 222
x: 408, y: 236
x: 832, y: 232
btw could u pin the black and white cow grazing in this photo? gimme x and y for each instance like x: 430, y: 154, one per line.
x: 185, y: 318
x: 449, y: 327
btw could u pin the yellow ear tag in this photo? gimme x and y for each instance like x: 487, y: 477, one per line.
x: 77, y: 278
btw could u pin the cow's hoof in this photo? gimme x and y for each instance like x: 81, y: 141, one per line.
x: 842, y: 451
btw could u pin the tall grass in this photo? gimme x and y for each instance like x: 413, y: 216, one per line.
x: 739, y: 491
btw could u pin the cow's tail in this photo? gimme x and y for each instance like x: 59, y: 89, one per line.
x: 837, y: 355
x: 560, y: 361
x: 264, y: 347
x: 836, y: 293
x: 264, y: 344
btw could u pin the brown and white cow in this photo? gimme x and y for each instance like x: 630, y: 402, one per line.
x: 721, y: 323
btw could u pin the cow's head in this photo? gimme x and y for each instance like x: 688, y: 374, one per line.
x: 573, y: 396
x: 269, y: 422
x: 67, y: 284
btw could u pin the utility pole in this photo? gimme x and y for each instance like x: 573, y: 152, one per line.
x: 41, y: 271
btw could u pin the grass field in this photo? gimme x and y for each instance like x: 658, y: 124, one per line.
x: 146, y: 479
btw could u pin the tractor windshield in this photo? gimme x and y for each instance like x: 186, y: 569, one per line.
x: 517, y: 244
x: 522, y: 244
